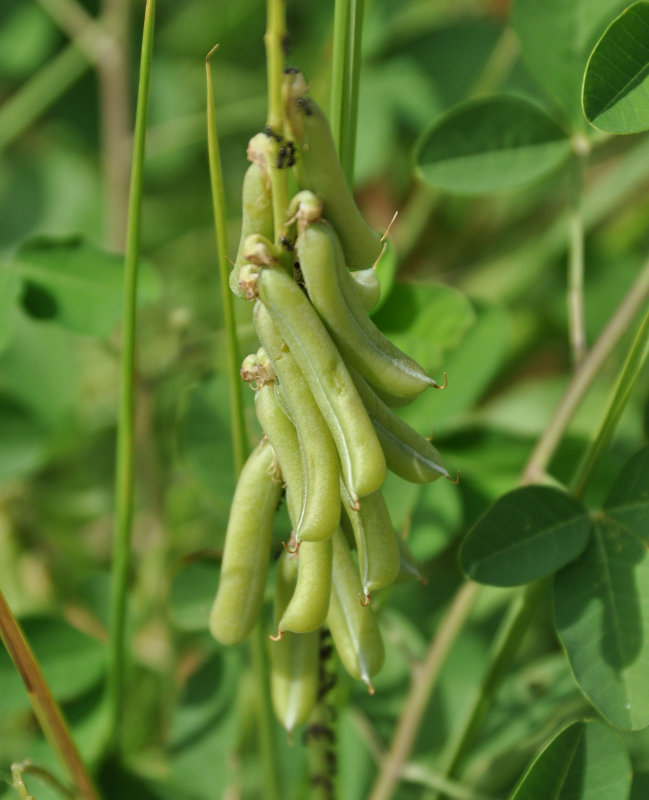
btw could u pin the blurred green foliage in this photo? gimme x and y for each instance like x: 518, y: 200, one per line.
x: 479, y: 293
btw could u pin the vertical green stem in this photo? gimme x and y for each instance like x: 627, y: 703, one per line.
x: 239, y: 440
x: 274, y: 39
x: 633, y: 365
x: 41, y: 92
x: 575, y: 294
x: 124, y: 475
x: 521, y: 611
x: 348, y: 33
x: 267, y: 748
x: 45, y: 706
x: 421, y: 690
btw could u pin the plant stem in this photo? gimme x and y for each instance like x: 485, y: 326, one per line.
x: 18, y: 771
x: 597, y: 356
x: 267, y: 750
x: 575, y: 295
x: 124, y: 475
x: 416, y: 773
x: 239, y: 438
x: 45, y: 706
x: 41, y: 92
x: 521, y: 610
x: 274, y: 39
x: 424, y: 681
x: 348, y: 34
x: 633, y: 365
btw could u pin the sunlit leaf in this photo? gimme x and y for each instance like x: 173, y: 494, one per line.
x: 490, y: 144
x: 602, y: 617
x: 616, y: 87
x: 585, y: 761
x: 525, y: 535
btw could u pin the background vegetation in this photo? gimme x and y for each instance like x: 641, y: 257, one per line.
x: 480, y: 293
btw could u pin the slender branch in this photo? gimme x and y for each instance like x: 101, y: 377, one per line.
x: 348, y: 33
x: 421, y: 689
x: 124, y: 476
x: 89, y: 35
x: 575, y: 294
x: 18, y: 772
x: 416, y: 773
x: 45, y: 706
x: 631, y: 369
x: 40, y: 93
x: 520, y: 613
x: 592, y: 364
x: 275, y: 39
x: 239, y: 438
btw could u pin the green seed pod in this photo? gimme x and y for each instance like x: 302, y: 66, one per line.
x: 361, y: 457
x: 320, y: 510
x: 367, y: 287
x: 294, y: 661
x: 246, y: 553
x: 359, y: 340
x: 308, y: 607
x: 320, y: 171
x: 257, y: 211
x: 376, y: 542
x: 407, y: 454
x: 353, y: 627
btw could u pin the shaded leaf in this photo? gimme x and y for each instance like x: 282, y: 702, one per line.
x: 77, y: 283
x: 9, y: 292
x: 628, y: 502
x: 490, y: 144
x: 585, y: 761
x: 556, y: 38
x: 24, y: 441
x: 602, y: 617
x: 615, y: 95
x: 71, y: 661
x: 525, y: 535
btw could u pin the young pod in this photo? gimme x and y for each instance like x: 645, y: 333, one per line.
x: 408, y: 454
x: 359, y: 340
x: 257, y: 206
x: 361, y: 458
x: 367, y: 287
x: 246, y: 553
x: 320, y: 502
x: 309, y: 603
x: 320, y: 171
x: 294, y: 659
x: 376, y: 542
x: 353, y: 627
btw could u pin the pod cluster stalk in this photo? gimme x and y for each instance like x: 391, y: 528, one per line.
x: 326, y: 380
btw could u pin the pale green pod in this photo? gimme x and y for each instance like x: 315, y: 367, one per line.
x: 367, y: 287
x: 361, y: 458
x: 320, y: 171
x: 294, y: 659
x: 376, y: 542
x: 256, y: 215
x: 408, y: 454
x: 307, y: 609
x: 246, y: 553
x: 361, y: 343
x: 354, y: 627
x: 320, y: 507
x: 282, y: 435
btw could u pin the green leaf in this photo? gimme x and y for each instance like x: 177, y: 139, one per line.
x: 628, y: 502
x: 615, y: 95
x: 602, y: 617
x: 77, y: 284
x: 585, y: 761
x: 24, y: 441
x: 525, y: 535
x: 556, y: 38
x: 491, y: 144
x: 425, y: 320
x: 72, y: 662
x: 192, y: 593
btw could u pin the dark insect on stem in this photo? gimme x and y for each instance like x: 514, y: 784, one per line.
x: 305, y: 105
x: 291, y: 70
x: 271, y: 134
x: 286, y: 44
x: 286, y: 243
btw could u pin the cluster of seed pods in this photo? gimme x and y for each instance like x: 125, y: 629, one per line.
x: 326, y: 381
